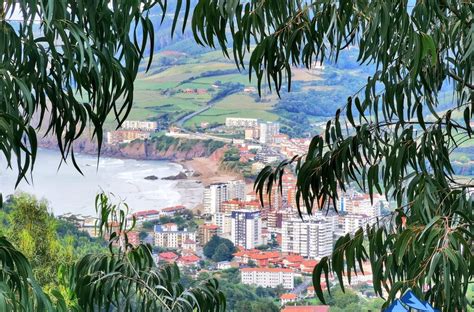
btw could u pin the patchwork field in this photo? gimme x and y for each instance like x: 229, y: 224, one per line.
x: 236, y: 105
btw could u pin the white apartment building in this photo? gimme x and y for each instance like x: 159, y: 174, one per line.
x: 140, y: 125
x: 267, y: 131
x: 236, y: 190
x: 168, y: 236
x: 224, y: 222
x: 126, y: 136
x: 352, y: 222
x: 246, y: 228
x: 268, y: 277
x: 357, y: 203
x: 311, y: 237
x: 217, y: 193
x: 233, y: 122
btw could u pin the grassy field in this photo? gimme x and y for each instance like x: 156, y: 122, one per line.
x: 162, y: 91
x: 236, y: 105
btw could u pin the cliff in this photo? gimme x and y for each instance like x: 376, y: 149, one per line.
x: 158, y: 148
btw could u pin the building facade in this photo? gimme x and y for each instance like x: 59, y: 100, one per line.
x: 140, y: 125
x: 268, y: 277
x: 246, y: 228
x: 168, y: 236
x: 232, y: 122
x: 310, y: 237
x: 268, y: 130
x: 217, y: 193
x: 125, y: 136
x: 206, y: 232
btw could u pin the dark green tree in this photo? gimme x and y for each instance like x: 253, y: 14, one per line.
x: 264, y: 305
x: 222, y: 253
x: 226, y: 247
x: 32, y: 229
x: 395, y: 136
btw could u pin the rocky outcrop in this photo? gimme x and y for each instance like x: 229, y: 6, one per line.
x: 179, y: 176
x: 138, y: 150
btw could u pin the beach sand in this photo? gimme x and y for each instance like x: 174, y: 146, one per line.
x: 208, y: 170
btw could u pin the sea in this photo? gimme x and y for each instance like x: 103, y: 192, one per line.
x: 67, y: 191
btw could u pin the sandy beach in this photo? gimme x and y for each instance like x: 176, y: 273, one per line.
x: 208, y: 170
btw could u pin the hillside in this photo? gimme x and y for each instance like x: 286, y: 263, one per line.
x: 186, y: 79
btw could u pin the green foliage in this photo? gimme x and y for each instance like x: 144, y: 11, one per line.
x: 382, y: 140
x: 219, y: 249
x: 183, y: 219
x: 125, y: 277
x: 164, y: 143
x: 298, y: 281
x: 344, y: 299
x: 81, y: 57
x: 32, y: 229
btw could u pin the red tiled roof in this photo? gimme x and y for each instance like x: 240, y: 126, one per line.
x: 294, y: 258
x: 264, y: 255
x: 175, y: 208
x: 189, y: 241
x: 309, y: 263
x: 189, y: 259
x: 145, y: 213
x: 245, y: 252
x: 168, y: 255
x: 320, y: 308
x: 210, y: 226
x: 288, y: 296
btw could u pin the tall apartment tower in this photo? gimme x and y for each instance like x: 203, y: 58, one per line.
x: 268, y: 130
x: 310, y: 237
x: 214, y: 195
x: 246, y: 229
x: 217, y: 193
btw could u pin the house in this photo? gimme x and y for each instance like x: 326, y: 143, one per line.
x: 293, y: 261
x: 170, y: 211
x: 224, y: 265
x: 318, y: 308
x: 188, y: 260
x: 307, y: 266
x: 146, y: 215
x: 169, y: 257
x: 189, y: 244
x: 262, y: 259
x: 288, y: 298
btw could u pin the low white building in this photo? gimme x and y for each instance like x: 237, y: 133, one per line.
x: 233, y: 122
x: 268, y: 277
x: 352, y: 222
x: 140, y: 125
x: 168, y: 236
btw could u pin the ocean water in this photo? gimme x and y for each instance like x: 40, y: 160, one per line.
x: 67, y: 190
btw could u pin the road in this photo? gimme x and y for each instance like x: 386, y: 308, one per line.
x: 197, y: 136
x: 302, y: 287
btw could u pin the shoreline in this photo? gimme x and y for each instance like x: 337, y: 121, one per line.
x: 191, y: 189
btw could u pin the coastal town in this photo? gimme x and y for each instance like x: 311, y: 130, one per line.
x: 269, y: 245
